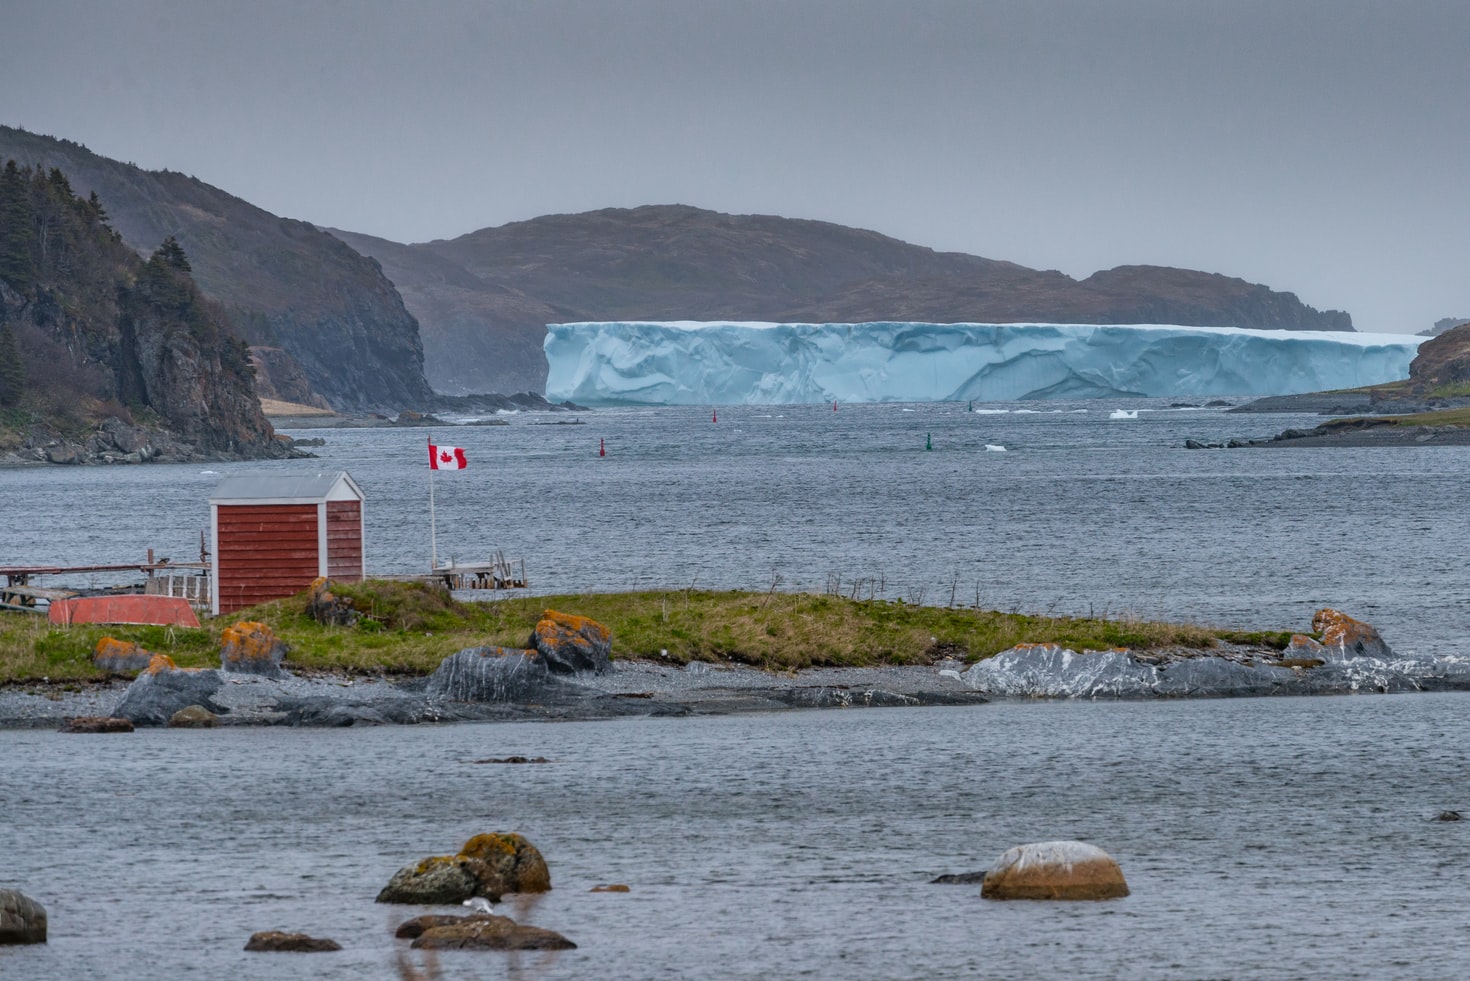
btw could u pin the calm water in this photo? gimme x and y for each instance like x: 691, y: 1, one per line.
x: 1082, y: 513
x: 1261, y: 838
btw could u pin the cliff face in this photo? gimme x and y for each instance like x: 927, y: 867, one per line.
x: 283, y: 283
x: 483, y: 299
x: 108, y: 354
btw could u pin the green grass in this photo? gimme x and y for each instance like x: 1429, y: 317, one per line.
x: 407, y: 629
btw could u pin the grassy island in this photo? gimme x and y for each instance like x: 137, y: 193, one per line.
x: 408, y: 628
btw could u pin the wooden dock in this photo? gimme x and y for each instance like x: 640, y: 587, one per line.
x: 188, y: 580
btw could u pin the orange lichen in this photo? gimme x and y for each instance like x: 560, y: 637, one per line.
x: 112, y: 647
x: 160, y: 663
x: 1340, y: 630
x: 552, y: 623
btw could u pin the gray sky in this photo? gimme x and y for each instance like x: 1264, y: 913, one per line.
x: 1318, y: 146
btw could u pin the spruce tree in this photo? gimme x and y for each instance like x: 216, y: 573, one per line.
x: 12, y: 372
x: 17, y: 229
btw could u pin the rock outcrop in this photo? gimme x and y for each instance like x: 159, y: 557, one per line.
x: 488, y: 865
x: 193, y: 717
x: 162, y: 690
x: 22, y: 919
x: 250, y: 647
x: 1054, y: 870
x: 489, y: 674
x: 571, y: 643
x: 327, y: 608
x: 1442, y: 361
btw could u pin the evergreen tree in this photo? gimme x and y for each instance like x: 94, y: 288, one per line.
x: 12, y: 373
x: 17, y: 229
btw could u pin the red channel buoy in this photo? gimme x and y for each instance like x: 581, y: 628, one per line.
x: 602, y: 447
x: 714, y: 416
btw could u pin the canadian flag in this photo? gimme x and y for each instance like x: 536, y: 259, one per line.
x: 446, y: 458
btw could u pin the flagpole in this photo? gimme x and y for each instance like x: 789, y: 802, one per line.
x: 433, y: 537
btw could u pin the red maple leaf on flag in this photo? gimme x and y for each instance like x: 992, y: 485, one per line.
x: 446, y: 458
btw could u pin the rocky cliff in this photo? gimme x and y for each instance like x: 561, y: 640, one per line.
x: 104, y: 356
x: 483, y: 299
x: 1443, y: 364
x: 283, y: 283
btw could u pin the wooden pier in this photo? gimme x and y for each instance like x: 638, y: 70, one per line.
x: 498, y: 573
x: 188, y: 580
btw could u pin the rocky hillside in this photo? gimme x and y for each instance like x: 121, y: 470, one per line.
x: 482, y: 299
x: 283, y: 283
x: 104, y: 356
x: 1442, y: 365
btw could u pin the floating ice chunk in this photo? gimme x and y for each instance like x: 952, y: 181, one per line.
x: 994, y: 448
x: 723, y: 363
x: 1123, y: 414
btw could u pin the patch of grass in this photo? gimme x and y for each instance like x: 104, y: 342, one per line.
x: 1443, y: 417
x: 409, y: 628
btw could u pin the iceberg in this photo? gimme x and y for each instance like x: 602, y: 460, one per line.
x: 735, y: 363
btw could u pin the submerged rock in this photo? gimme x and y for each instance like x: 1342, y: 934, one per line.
x: 300, y: 943
x: 1054, y: 870
x: 98, y: 723
x: 22, y: 919
x: 571, y: 643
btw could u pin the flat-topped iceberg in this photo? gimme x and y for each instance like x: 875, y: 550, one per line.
x: 725, y: 363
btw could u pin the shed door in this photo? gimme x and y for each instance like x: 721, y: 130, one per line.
x: 265, y: 552
x: 344, y: 540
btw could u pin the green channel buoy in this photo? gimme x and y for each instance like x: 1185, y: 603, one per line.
x: 928, y: 441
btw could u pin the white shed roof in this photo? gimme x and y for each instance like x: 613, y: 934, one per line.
x: 269, y: 488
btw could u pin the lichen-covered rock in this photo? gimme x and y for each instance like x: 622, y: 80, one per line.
x: 297, y: 943
x: 193, y: 717
x: 249, y: 647
x: 488, y: 865
x: 159, y: 692
x: 490, y: 933
x: 439, y: 880
x: 572, y: 643
x: 112, y: 654
x: 1344, y: 637
x: 507, y: 863
x: 489, y: 674
x: 326, y: 607
x: 1054, y: 870
x: 97, y: 723
x: 22, y: 919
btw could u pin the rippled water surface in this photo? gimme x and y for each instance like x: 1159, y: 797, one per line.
x: 1264, y: 837
x: 1081, y: 513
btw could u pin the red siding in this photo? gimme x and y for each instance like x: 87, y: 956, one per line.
x: 344, y: 540
x: 265, y: 551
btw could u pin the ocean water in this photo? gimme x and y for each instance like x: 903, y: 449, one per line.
x: 1082, y: 514
x: 1274, y: 838
x: 1261, y: 838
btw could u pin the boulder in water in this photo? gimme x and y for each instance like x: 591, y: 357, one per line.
x: 22, y: 919
x: 572, y: 643
x: 250, y: 647
x: 488, y: 865
x: 490, y: 933
x: 1054, y: 870
x: 489, y: 674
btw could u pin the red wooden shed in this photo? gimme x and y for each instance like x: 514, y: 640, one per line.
x: 274, y: 533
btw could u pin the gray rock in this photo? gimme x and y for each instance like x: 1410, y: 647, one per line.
x: 193, y: 717
x: 297, y: 943
x: 251, y: 648
x: 441, y: 880
x: 489, y: 674
x: 572, y: 643
x: 22, y: 919
x: 154, y: 697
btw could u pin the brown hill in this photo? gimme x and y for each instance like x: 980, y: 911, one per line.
x: 483, y: 299
x: 1443, y: 363
x: 283, y: 283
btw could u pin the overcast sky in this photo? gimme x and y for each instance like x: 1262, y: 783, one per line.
x: 1317, y: 146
